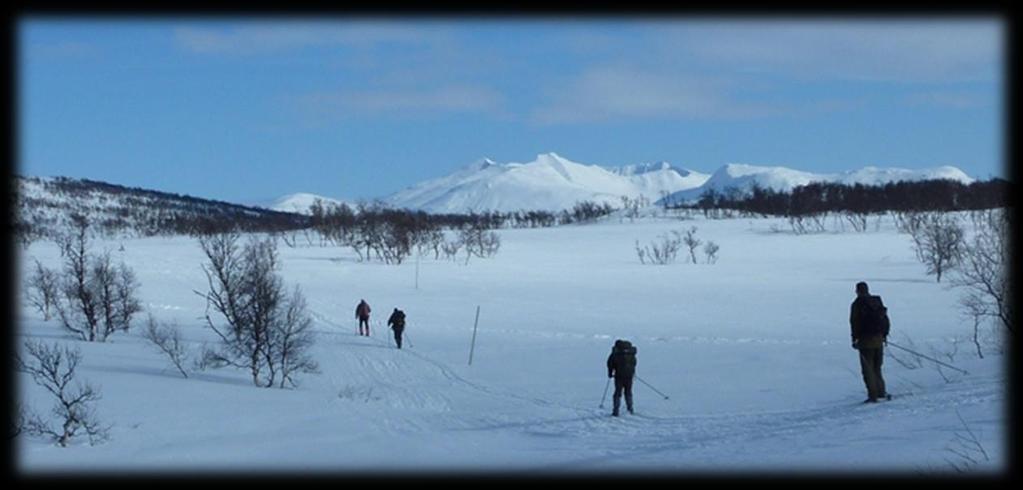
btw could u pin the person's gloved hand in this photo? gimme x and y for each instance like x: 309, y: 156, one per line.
x: 856, y: 344
x: 609, y: 375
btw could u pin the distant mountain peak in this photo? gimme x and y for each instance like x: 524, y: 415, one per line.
x: 743, y: 177
x: 549, y: 182
x: 300, y: 202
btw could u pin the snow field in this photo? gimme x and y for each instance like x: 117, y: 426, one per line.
x: 753, y: 352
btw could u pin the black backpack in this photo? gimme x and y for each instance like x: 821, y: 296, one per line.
x: 625, y: 357
x: 874, y: 317
x: 399, y: 319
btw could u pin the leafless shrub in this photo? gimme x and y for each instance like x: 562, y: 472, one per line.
x: 711, y: 250
x: 53, y: 368
x: 983, y: 268
x: 938, y: 242
x: 430, y: 239
x: 908, y: 221
x: 976, y: 309
x: 967, y: 452
x: 692, y: 242
x: 451, y: 248
x: 266, y: 330
x: 42, y: 289
x: 662, y: 252
x: 857, y: 220
x: 808, y: 223
x: 479, y: 241
x: 167, y: 338
x: 293, y: 338
x: 631, y: 206
x: 95, y: 298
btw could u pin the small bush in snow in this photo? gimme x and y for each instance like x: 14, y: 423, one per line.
x: 479, y: 241
x: 43, y: 286
x: 94, y: 298
x: 662, y: 252
x: 167, y: 338
x: 266, y: 330
x: 966, y: 449
x: 938, y: 243
x: 692, y: 242
x: 983, y: 263
x: 451, y: 248
x: 711, y: 250
x: 53, y: 368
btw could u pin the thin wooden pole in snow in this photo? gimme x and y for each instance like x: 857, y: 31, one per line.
x: 473, y: 345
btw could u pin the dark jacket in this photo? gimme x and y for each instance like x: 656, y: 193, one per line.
x: 397, y: 319
x: 622, y: 361
x: 362, y: 311
x: 861, y: 329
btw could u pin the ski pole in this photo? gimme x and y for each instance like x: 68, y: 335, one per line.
x: 926, y: 357
x: 651, y: 387
x: 606, y: 386
x: 408, y: 339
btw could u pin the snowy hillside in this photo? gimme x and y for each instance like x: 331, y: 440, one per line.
x: 300, y: 202
x: 744, y: 177
x: 44, y: 205
x: 744, y: 365
x: 550, y: 182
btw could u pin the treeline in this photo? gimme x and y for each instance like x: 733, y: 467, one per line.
x: 326, y: 215
x: 390, y: 235
x: 822, y: 197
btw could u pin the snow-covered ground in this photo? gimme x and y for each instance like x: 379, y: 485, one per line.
x: 752, y: 352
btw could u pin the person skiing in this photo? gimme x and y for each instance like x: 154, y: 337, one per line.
x: 362, y: 313
x: 397, y: 323
x: 868, y: 319
x: 621, y: 365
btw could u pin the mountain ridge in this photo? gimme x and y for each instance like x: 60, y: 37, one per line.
x: 553, y: 183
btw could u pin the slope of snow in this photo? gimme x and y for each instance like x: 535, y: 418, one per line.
x: 743, y: 177
x: 752, y: 353
x: 549, y: 182
x: 46, y: 205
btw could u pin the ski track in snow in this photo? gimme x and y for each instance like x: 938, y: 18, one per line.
x: 631, y: 435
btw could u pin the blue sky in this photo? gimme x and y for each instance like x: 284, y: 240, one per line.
x: 247, y: 110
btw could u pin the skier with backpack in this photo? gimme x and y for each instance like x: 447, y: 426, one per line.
x: 362, y: 313
x: 397, y: 323
x: 868, y: 318
x: 621, y: 365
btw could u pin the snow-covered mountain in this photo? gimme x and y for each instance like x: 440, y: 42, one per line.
x: 300, y: 202
x: 743, y: 177
x: 550, y: 182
